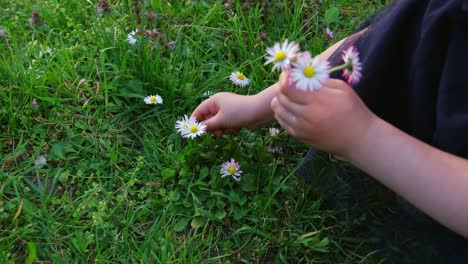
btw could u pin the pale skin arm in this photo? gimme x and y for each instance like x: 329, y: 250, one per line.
x: 434, y: 181
x: 336, y: 120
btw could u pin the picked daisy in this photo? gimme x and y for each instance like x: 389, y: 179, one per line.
x: 231, y: 168
x: 189, y: 127
x: 239, y: 79
x: 353, y: 66
x: 281, y: 55
x: 153, y: 99
x: 309, y: 73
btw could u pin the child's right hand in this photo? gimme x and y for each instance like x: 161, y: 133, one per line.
x: 227, y: 113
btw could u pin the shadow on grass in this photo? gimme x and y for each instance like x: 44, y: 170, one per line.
x: 385, y: 221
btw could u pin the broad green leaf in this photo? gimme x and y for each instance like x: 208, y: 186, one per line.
x: 332, y: 15
x: 181, y: 224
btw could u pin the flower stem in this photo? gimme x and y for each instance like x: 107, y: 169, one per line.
x: 340, y: 67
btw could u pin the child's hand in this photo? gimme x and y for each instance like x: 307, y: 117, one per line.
x: 227, y: 113
x: 332, y: 119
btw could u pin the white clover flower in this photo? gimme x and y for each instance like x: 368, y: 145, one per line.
x: 352, y: 72
x: 190, y: 128
x: 231, y: 168
x: 153, y: 99
x: 131, y: 37
x: 239, y: 79
x: 40, y: 161
x: 282, y: 55
x: 273, y: 131
x: 308, y: 73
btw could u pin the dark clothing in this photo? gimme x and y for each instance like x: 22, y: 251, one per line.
x: 415, y: 65
x: 415, y: 76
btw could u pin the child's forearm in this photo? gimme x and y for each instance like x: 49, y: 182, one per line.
x: 433, y: 180
x: 262, y: 109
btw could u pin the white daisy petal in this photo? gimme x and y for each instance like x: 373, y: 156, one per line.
x: 353, y: 72
x: 190, y: 128
x: 131, y: 37
x: 281, y: 55
x: 239, y: 79
x: 309, y: 74
x: 153, y: 99
x: 273, y: 131
x: 40, y: 161
x: 231, y: 168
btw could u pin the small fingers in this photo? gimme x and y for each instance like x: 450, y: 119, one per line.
x: 282, y: 113
x: 289, y: 105
x: 205, y: 110
x: 286, y: 125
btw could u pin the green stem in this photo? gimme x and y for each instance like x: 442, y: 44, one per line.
x: 340, y: 67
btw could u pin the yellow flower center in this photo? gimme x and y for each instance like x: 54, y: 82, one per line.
x: 240, y: 76
x: 153, y: 99
x: 193, y: 129
x: 309, y: 71
x: 232, y: 169
x: 294, y: 59
x: 280, y: 56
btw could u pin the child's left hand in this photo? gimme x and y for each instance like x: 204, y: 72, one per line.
x: 333, y: 118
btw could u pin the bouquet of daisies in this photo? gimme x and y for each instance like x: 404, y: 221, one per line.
x: 310, y: 73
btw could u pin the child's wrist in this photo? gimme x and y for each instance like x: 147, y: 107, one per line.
x: 260, y: 109
x: 363, y: 141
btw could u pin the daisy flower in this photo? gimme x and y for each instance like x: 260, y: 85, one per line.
x: 308, y: 73
x: 353, y: 69
x: 40, y: 161
x: 329, y: 34
x: 273, y: 131
x: 190, y: 128
x: 153, y: 99
x: 231, y: 168
x: 131, y: 37
x: 239, y: 79
x: 281, y: 55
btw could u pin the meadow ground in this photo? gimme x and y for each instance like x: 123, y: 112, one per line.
x: 90, y: 173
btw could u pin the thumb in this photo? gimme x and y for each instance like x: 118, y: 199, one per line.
x: 287, y: 87
x: 284, y: 82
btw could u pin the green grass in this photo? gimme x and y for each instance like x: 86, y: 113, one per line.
x: 120, y: 185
